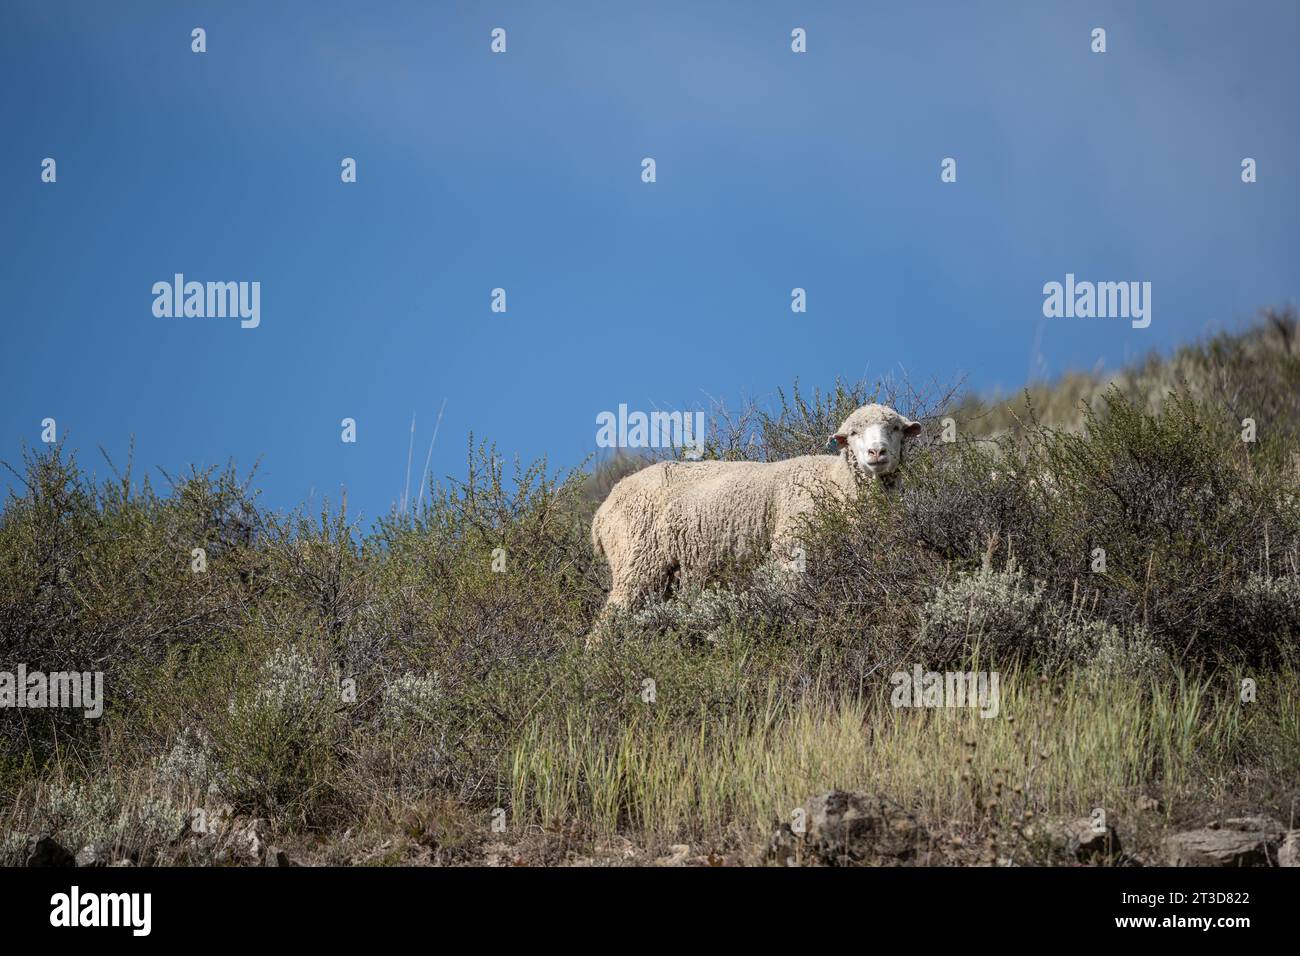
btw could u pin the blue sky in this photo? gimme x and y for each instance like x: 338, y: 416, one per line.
x: 522, y: 171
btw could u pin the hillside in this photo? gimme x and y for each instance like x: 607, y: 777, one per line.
x: 420, y: 691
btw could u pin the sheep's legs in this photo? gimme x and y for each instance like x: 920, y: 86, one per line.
x: 630, y: 590
x: 620, y: 598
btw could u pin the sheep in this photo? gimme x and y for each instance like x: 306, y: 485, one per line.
x: 677, y: 522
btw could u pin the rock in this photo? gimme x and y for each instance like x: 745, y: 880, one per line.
x: 848, y: 827
x: 1257, y: 824
x: 92, y: 854
x: 1084, y: 841
x: 49, y: 852
x: 784, y: 846
x: 248, y: 839
x: 1222, y: 847
x: 677, y: 854
x: 211, y: 819
x: 277, y: 857
x: 617, y: 846
x: 1288, y: 853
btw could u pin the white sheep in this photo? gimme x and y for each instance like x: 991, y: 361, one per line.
x: 678, y: 522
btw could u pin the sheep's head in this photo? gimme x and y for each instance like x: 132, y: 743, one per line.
x: 875, y: 433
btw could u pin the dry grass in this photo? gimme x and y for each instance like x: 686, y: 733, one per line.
x: 1056, y: 749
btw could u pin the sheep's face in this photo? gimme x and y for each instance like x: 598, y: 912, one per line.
x: 875, y: 433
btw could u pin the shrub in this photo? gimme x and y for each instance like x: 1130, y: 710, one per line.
x: 996, y: 611
x: 274, y: 745
x: 1265, y: 611
x: 95, y: 814
x: 462, y: 624
x: 1144, y: 521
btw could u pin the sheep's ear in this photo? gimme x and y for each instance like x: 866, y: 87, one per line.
x: 838, y: 442
x: 912, y: 429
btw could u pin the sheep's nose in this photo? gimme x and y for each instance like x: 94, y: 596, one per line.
x: 875, y: 454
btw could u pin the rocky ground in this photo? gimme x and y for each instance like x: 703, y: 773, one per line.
x: 836, y: 828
